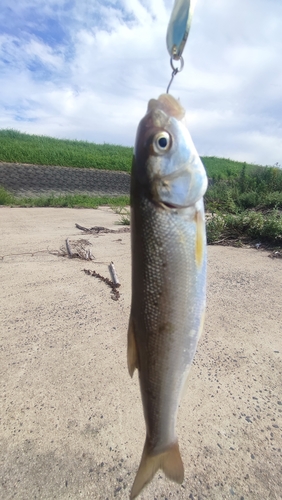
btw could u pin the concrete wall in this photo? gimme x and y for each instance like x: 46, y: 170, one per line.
x: 36, y: 180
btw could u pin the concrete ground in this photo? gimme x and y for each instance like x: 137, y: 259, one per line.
x: 71, y: 418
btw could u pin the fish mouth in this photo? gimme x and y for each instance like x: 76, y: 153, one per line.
x: 166, y: 204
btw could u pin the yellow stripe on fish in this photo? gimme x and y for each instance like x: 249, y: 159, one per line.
x: 200, y: 238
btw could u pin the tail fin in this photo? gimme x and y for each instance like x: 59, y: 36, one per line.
x: 169, y: 461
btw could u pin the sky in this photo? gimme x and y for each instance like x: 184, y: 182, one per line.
x: 85, y: 70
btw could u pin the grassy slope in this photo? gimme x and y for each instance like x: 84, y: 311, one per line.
x: 16, y: 147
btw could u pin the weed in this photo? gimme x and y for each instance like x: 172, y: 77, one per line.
x: 124, y: 213
x: 124, y: 220
x: 6, y: 198
x: 248, y: 226
x: 69, y: 201
x: 260, y: 188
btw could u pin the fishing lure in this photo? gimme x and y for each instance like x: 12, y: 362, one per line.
x: 177, y: 34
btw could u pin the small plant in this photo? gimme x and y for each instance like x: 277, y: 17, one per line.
x: 215, y: 229
x: 124, y: 213
x: 120, y: 210
x: 124, y: 220
x: 6, y: 198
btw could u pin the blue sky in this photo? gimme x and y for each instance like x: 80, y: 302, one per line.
x: 78, y: 69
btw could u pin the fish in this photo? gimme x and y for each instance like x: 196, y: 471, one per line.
x: 168, y: 248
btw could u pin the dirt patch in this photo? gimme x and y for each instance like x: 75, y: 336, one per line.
x: 71, y: 418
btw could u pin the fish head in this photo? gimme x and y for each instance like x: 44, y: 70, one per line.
x: 166, y: 164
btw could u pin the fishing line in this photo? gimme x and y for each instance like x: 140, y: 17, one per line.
x: 175, y: 70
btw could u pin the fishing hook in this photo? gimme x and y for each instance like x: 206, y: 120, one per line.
x: 175, y: 70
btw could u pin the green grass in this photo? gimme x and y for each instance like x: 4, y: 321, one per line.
x: 223, y: 168
x: 124, y: 214
x: 17, y: 147
x: 247, y: 207
x: 68, y: 201
x: 248, y: 226
x: 259, y: 188
x: 6, y: 198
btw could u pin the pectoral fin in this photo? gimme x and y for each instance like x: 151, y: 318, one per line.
x: 132, y: 354
x: 169, y: 461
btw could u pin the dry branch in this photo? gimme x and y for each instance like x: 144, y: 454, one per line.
x: 275, y: 254
x: 110, y: 283
x: 101, y: 229
x: 75, y: 249
x: 69, y: 249
x: 114, y: 274
x: 82, y: 228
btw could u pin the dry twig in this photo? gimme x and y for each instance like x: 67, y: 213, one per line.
x: 75, y: 249
x: 69, y: 249
x: 275, y: 254
x: 110, y: 283
x: 114, y: 274
x: 101, y: 229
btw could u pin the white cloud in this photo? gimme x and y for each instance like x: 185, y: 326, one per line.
x: 85, y: 70
x: 35, y: 49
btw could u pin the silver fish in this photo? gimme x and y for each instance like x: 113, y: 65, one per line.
x: 168, y: 242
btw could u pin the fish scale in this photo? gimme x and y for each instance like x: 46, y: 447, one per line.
x: 165, y: 348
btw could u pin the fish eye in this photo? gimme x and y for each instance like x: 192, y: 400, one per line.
x: 162, y: 142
